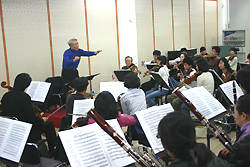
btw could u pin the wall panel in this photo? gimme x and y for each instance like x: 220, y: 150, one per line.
x: 27, y: 38
x: 181, y: 24
x: 163, y: 25
x: 68, y: 21
x: 144, y: 27
x: 197, y: 23
x: 102, y: 35
x: 211, y: 24
x: 3, y: 76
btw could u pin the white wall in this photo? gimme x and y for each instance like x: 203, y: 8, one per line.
x: 239, y: 14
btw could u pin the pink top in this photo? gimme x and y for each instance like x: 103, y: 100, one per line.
x: 123, y: 120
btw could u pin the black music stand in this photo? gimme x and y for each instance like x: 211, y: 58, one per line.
x: 160, y: 81
x: 150, y: 66
x: 120, y: 74
x: 8, y: 162
x: 90, y: 78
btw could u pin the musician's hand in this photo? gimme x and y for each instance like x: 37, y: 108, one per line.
x: 179, y: 74
x: 170, y: 63
x: 234, y: 73
x: 113, y: 77
x: 196, y: 55
x: 225, y: 152
x: 45, y: 119
x: 143, y: 61
x: 71, y: 91
x: 76, y: 58
x: 98, y: 51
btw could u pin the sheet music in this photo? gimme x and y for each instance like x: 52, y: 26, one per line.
x: 204, y: 102
x: 91, y: 146
x: 227, y: 88
x: 38, y: 90
x: 149, y: 120
x: 115, y: 88
x: 81, y: 107
x: 13, y: 137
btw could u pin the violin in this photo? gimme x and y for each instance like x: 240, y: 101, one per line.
x: 178, y: 65
x: 231, y: 58
x: 37, y: 113
x: 134, y: 68
x: 211, y: 56
x: 226, y: 76
x: 192, y: 78
x: 155, y: 69
x: 119, y: 102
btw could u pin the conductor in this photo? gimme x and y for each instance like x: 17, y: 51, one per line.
x: 71, y: 60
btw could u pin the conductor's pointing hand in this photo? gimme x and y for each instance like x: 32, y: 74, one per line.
x: 98, y: 51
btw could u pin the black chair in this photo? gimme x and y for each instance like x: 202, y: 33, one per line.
x: 31, y: 158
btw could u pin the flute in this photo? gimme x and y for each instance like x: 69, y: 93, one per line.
x: 218, y: 132
x: 123, y: 143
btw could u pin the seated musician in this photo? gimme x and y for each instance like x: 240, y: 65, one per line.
x: 178, y: 69
x: 163, y: 72
x: 17, y: 103
x: 232, y: 59
x: 150, y: 84
x: 189, y: 71
x: 177, y: 60
x: 106, y: 107
x: 213, y: 59
x: 134, y: 99
x: 203, y: 52
x: 205, y: 79
x: 241, y: 149
x: 227, y: 72
x: 80, y: 85
x: 243, y: 79
x: 128, y: 62
x: 177, y: 133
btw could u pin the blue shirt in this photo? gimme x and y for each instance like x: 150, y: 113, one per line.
x: 69, y: 56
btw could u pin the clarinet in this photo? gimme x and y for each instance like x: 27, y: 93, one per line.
x: 123, y: 143
x: 218, y: 132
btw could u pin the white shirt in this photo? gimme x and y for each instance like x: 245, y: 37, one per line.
x: 132, y: 101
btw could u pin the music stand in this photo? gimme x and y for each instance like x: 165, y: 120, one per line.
x: 160, y: 81
x: 8, y: 162
x: 120, y: 74
x: 90, y: 78
x: 150, y: 66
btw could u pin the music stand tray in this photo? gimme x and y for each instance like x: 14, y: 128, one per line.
x: 150, y: 66
x: 90, y: 77
x: 120, y: 74
x: 159, y: 80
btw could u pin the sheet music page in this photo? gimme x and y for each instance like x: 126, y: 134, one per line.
x: 115, y: 88
x: 85, y: 146
x: 116, y: 154
x: 227, y: 88
x: 149, y: 120
x: 81, y: 107
x: 38, y: 90
x: 13, y: 137
x: 204, y: 102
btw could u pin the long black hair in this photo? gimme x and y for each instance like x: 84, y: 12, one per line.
x: 177, y: 133
x: 105, y: 105
x: 227, y: 66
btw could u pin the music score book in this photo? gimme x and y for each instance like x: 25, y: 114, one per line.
x: 115, y: 88
x: 38, y: 90
x: 204, y: 102
x: 13, y: 137
x: 227, y: 88
x: 149, y: 120
x: 81, y: 107
x: 91, y: 146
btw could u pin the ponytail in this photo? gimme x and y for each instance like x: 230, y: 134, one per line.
x: 203, y: 154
